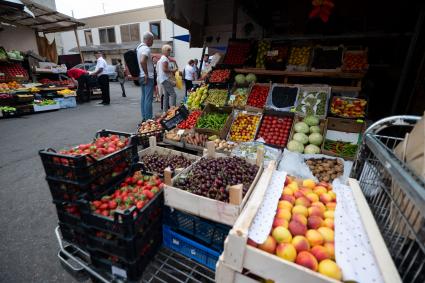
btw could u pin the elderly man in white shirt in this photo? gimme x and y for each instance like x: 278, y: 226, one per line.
x: 102, y: 78
x: 146, y: 78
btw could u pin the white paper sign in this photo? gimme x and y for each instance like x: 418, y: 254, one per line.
x: 118, y: 271
x: 263, y: 221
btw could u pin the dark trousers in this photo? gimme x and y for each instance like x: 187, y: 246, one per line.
x: 103, y: 82
x: 83, y: 90
x: 188, y: 85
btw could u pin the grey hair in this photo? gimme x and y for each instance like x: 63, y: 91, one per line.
x: 147, y: 35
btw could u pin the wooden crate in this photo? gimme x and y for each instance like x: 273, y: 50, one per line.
x: 235, y: 114
x: 253, y: 108
x: 223, y: 131
x: 218, y: 211
x: 238, y: 256
x: 165, y: 151
x: 322, y: 126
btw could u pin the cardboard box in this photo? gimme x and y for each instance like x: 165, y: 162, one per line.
x: 222, y: 133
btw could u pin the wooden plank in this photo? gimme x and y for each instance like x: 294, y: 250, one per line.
x: 272, y: 267
x: 224, y: 274
x: 338, y: 88
x: 337, y: 74
x: 383, y: 258
x: 235, y: 244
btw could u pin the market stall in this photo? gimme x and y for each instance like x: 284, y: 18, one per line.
x: 30, y: 81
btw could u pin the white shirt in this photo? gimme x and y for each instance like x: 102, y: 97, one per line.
x: 143, y: 49
x: 205, y: 65
x: 189, y: 73
x: 101, y: 63
x: 162, y: 76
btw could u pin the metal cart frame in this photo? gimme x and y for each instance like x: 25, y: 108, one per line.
x: 395, y: 194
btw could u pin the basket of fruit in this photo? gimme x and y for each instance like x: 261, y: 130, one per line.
x: 258, y: 96
x: 275, y: 128
x: 327, y: 58
x: 196, y: 98
x: 299, y: 58
x: 190, y: 121
x: 307, y: 134
x: 244, y: 126
x: 206, y: 190
x: 237, y: 52
x: 313, y: 100
x: 238, y: 97
x: 217, y: 96
x: 348, y: 107
x: 262, y: 49
x: 149, y: 128
x: 220, y: 76
x: 355, y: 61
x: 195, y: 141
x: 282, y: 97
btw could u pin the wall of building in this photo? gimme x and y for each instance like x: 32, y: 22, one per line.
x: 18, y: 38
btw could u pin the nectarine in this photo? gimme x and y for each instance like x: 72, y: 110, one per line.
x: 314, y: 237
x: 297, y: 228
x: 286, y: 251
x: 330, y: 268
x: 300, y: 243
x: 282, y: 235
x: 314, y: 222
x: 269, y: 245
x: 306, y: 259
x: 320, y: 252
x: 300, y: 209
x: 327, y: 234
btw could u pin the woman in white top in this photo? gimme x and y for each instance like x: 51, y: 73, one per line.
x: 189, y: 75
x: 164, y: 75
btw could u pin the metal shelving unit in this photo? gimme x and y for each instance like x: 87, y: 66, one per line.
x: 396, y: 195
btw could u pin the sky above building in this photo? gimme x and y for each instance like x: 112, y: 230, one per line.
x: 89, y: 8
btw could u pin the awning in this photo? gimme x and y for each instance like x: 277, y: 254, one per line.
x: 157, y: 44
x: 185, y: 37
x: 35, y: 16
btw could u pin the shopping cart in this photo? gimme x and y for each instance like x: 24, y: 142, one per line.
x: 396, y: 195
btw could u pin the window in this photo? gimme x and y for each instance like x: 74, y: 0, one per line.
x: 130, y: 33
x: 155, y: 30
x: 88, y: 37
x: 107, y: 35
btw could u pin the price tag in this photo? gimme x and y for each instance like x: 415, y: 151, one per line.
x: 180, y: 132
x: 118, y: 271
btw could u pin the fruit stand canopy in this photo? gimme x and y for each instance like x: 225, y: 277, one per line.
x: 35, y: 16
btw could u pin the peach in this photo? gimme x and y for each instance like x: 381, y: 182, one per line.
x: 332, y: 194
x: 287, y: 191
x: 325, y: 198
x: 303, y: 201
x: 269, y: 245
x: 312, y: 197
x: 290, y: 199
x: 320, y: 253
x: 293, y: 185
x: 315, y: 211
x: 283, y: 213
x: 307, y: 260
x: 251, y: 243
x: 306, y: 191
x: 323, y: 184
x: 328, y: 222
x: 319, y: 190
x: 282, y: 235
x: 314, y: 222
x: 331, y: 249
x: 329, y: 214
x: 300, y: 243
x: 319, y: 205
x: 286, y: 251
x: 299, y: 194
x: 331, y: 205
x: 300, y: 218
x: 280, y: 222
x: 300, y: 209
x: 314, y: 237
x: 309, y: 183
x: 284, y: 204
x: 329, y: 268
x: 297, y: 228
x: 327, y: 234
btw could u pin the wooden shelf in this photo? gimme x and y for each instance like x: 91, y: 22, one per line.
x: 329, y: 74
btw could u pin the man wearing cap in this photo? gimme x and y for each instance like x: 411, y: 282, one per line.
x: 102, y: 78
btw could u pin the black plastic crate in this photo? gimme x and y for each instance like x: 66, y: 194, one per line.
x: 69, y: 214
x: 74, y: 235
x: 181, y: 115
x: 123, y: 248
x: 143, y: 139
x: 69, y: 191
x: 204, y: 231
x: 129, y: 271
x: 127, y: 223
x: 85, y: 169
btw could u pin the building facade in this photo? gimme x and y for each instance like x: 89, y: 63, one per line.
x: 115, y: 33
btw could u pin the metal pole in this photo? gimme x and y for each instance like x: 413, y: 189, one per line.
x: 78, y: 45
x: 202, y: 59
x: 235, y: 18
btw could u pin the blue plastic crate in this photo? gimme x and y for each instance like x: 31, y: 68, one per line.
x: 189, y: 248
x: 207, y: 232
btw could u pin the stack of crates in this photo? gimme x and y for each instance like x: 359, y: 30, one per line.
x: 197, y: 238
x: 121, y: 244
